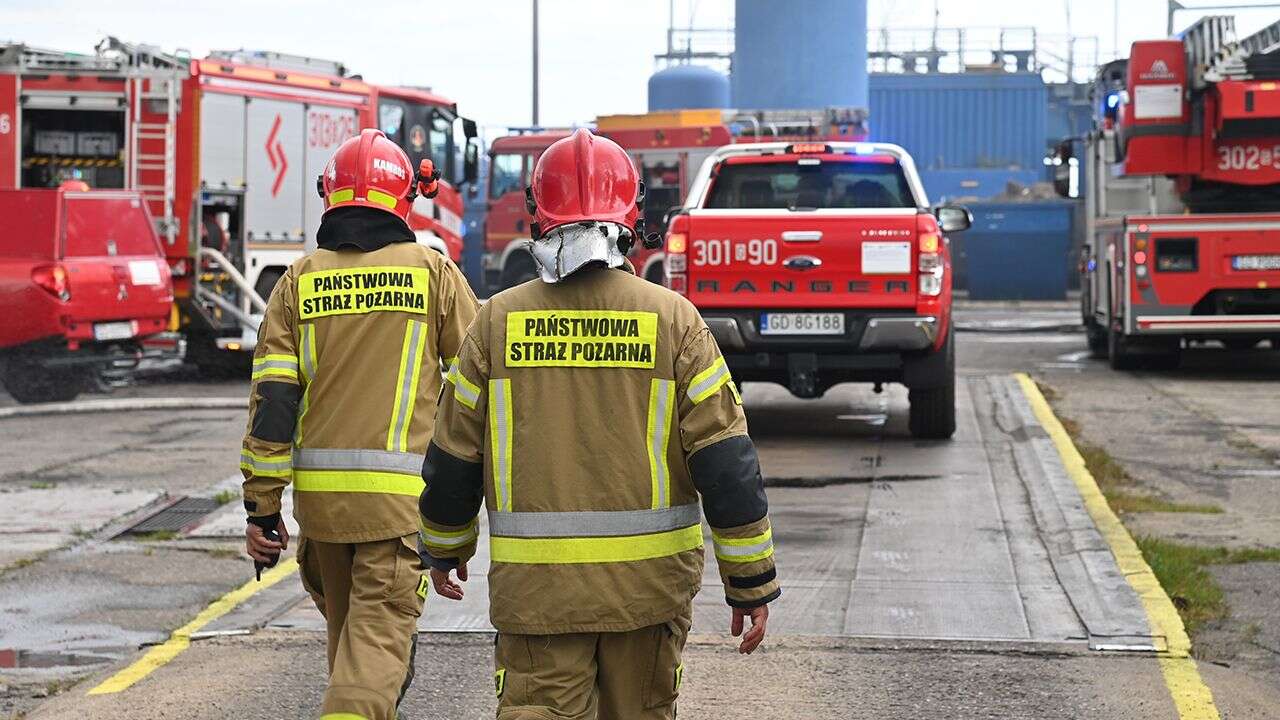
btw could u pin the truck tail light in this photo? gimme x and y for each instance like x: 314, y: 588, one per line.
x: 53, y: 279
x: 676, y: 262
x: 930, y: 264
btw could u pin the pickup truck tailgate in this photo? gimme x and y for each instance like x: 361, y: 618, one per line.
x: 802, y: 259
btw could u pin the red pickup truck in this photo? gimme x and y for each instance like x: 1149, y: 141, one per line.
x: 821, y: 263
x: 82, y: 280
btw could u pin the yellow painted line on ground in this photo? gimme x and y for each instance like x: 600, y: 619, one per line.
x: 1191, y: 696
x: 181, y: 638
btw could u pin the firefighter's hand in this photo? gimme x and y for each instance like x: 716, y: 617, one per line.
x: 755, y: 634
x: 262, y: 549
x: 445, y: 587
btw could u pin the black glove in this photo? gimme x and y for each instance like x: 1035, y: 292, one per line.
x: 268, y: 523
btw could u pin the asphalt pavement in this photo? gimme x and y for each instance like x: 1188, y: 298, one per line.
x: 921, y: 579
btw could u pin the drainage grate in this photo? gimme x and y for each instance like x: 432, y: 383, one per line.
x: 177, y: 516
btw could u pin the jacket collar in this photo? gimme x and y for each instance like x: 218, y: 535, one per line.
x: 363, y: 229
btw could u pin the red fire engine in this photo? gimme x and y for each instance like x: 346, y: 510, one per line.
x: 667, y: 147
x: 225, y: 150
x: 1183, y: 184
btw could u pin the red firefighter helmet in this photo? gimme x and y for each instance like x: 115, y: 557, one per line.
x: 584, y: 177
x: 371, y: 171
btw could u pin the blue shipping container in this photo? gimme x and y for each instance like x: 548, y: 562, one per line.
x: 944, y: 185
x: 963, y: 120
x: 1015, y: 251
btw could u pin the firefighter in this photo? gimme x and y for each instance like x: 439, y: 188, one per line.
x: 590, y: 410
x: 346, y: 377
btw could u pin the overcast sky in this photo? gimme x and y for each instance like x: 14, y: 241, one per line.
x: 596, y: 54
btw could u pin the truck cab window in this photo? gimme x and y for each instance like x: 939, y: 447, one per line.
x: 506, y: 174
x: 828, y: 185
x: 391, y: 120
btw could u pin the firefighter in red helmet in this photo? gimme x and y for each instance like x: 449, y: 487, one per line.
x: 593, y: 414
x: 346, y: 377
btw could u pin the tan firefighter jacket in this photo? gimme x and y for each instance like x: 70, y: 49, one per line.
x: 591, y: 416
x: 346, y: 377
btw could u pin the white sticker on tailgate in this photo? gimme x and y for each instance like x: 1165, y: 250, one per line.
x: 144, y: 272
x: 886, y: 258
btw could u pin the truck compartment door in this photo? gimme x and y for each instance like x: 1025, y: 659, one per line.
x: 222, y: 143
x: 274, y: 149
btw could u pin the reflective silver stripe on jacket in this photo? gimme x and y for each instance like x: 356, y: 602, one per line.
x: 373, y: 460
x: 593, y: 523
x: 500, y: 429
x: 701, y: 390
x: 731, y: 551
x: 264, y: 464
x: 440, y: 541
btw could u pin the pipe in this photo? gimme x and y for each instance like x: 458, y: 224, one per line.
x: 255, y: 300
x: 241, y: 317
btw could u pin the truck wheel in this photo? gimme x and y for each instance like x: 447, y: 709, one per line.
x: 1118, y: 350
x: 31, y: 383
x: 933, y: 407
x: 1096, y: 336
x: 933, y: 412
x: 267, y: 282
x: 519, y: 271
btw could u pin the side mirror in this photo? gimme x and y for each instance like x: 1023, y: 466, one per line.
x: 469, y: 128
x: 953, y: 218
x: 670, y: 213
x: 471, y: 162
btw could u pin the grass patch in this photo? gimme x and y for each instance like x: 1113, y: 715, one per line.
x: 1183, y: 573
x: 222, y: 497
x: 158, y: 536
x: 1124, y: 502
x: 42, y: 485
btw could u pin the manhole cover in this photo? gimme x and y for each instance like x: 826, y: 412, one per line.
x: 175, y: 517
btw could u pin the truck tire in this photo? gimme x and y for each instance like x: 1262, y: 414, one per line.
x: 1096, y: 336
x: 932, y: 415
x: 30, y: 383
x: 519, y: 270
x: 1118, y: 350
x: 933, y: 412
x: 267, y: 282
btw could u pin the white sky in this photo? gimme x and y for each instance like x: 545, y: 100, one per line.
x: 596, y: 54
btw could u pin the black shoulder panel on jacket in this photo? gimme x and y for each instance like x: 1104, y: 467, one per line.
x: 454, y: 489
x: 727, y: 474
x: 277, y: 413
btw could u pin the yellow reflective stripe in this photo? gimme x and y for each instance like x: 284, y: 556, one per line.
x: 342, y: 195
x: 622, y: 548
x: 422, y: 587
x: 406, y: 386
x: 706, y: 383
x: 342, y: 715
x: 737, y: 396
x: 662, y: 394
x: 291, y: 373
x: 266, y: 465
x: 500, y: 424
x: 308, y: 352
x: 743, y: 550
x: 365, y: 481
x: 467, y: 392
x: 383, y: 199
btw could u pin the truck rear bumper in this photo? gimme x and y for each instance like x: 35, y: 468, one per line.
x: 865, y: 335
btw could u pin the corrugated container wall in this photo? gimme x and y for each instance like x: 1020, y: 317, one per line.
x: 965, y: 120
x: 688, y: 87
x: 800, y: 54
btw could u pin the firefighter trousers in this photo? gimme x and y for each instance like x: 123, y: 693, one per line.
x: 371, y: 595
x: 631, y: 675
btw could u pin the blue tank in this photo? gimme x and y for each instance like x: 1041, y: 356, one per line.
x: 688, y: 87
x: 800, y: 55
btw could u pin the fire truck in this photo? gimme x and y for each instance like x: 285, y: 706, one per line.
x: 667, y: 147
x: 225, y: 151
x: 1182, y: 189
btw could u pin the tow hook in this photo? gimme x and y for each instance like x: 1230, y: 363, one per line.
x: 803, y: 369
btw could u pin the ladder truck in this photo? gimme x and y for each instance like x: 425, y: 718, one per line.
x: 1181, y: 196
x: 225, y: 151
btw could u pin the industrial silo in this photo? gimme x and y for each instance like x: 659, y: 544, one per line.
x: 688, y: 87
x: 800, y: 54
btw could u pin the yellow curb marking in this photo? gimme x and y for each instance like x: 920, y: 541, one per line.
x: 181, y: 638
x: 1191, y: 696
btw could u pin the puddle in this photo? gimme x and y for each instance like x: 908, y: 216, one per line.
x: 14, y: 659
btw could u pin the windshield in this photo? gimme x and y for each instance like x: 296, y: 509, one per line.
x: 810, y: 183
x: 421, y: 130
